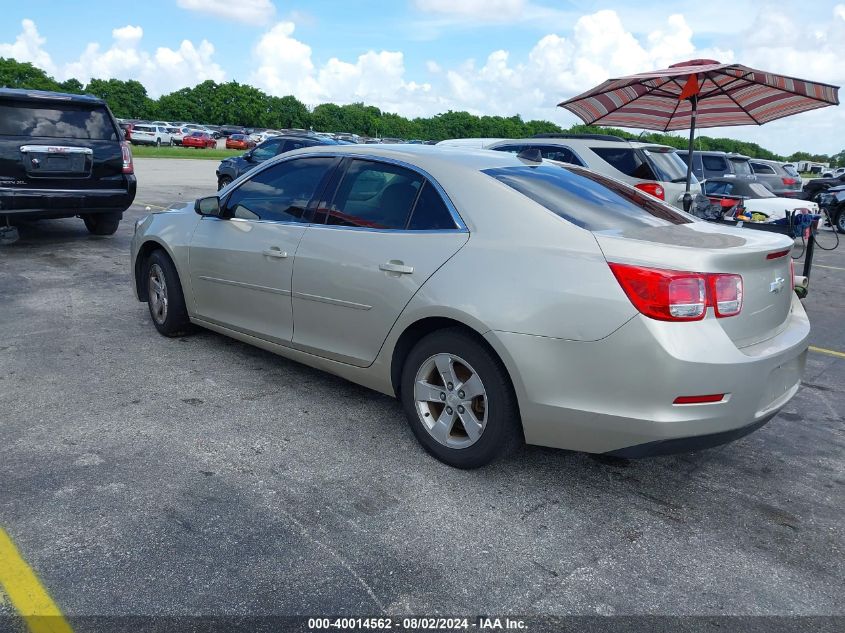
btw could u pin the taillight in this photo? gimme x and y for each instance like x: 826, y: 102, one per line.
x: 652, y: 188
x: 726, y: 295
x: 789, y: 181
x: 673, y: 295
x: 126, y: 154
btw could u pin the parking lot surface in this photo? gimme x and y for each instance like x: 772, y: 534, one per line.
x: 145, y: 475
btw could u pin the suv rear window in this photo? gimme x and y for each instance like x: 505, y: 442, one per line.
x: 668, y: 166
x: 790, y: 169
x: 57, y: 120
x: 588, y: 199
x: 627, y: 160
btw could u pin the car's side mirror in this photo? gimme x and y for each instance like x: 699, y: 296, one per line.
x: 208, y: 206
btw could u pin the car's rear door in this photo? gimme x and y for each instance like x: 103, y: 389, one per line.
x: 379, y: 234
x: 241, y: 263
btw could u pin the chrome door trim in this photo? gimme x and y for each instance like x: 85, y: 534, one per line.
x: 243, y: 284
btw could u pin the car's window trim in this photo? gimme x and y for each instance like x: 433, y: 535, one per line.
x: 461, y: 226
x: 309, y: 207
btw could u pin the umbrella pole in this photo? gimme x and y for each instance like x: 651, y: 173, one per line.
x: 694, y: 103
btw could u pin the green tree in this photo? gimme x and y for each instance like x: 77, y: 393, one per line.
x: 127, y: 99
x: 15, y: 74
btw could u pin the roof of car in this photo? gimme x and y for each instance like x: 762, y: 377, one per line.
x: 47, y: 95
x: 582, y: 140
x: 428, y: 157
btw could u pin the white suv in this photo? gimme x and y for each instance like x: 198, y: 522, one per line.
x: 655, y: 169
x: 151, y: 135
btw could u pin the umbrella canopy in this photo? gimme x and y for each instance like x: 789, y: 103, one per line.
x: 699, y: 93
x: 727, y: 94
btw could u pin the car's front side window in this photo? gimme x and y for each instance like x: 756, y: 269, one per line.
x: 373, y: 195
x: 280, y: 193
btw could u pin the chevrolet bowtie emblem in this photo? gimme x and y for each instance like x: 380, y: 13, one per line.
x: 777, y: 285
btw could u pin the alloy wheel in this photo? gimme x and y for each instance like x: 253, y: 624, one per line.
x: 157, y: 294
x: 451, y: 400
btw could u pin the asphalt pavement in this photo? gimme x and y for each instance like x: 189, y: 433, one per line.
x: 141, y: 475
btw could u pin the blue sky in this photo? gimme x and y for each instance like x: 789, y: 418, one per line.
x: 420, y: 57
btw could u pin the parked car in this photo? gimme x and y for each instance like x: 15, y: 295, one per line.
x: 833, y: 202
x: 239, y: 141
x: 231, y: 168
x: 776, y: 177
x: 833, y: 173
x: 757, y: 197
x: 176, y: 134
x: 260, y: 137
x: 497, y: 298
x: 63, y: 155
x: 655, y: 169
x: 151, y: 135
x: 201, y: 140
x: 814, y: 186
x: 126, y: 128
x: 712, y: 164
x: 467, y: 143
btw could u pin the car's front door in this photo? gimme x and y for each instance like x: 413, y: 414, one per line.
x: 241, y: 263
x: 380, y: 233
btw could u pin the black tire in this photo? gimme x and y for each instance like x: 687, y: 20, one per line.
x: 839, y: 221
x: 502, y: 434
x: 223, y: 181
x: 102, y: 223
x: 173, y: 320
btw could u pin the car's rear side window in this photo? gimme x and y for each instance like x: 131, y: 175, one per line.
x: 588, y: 199
x: 714, y: 163
x: 760, y: 168
x: 627, y: 160
x: 57, y: 120
x: 430, y: 213
x: 741, y: 166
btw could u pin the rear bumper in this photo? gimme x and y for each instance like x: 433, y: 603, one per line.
x: 67, y: 202
x: 616, y: 394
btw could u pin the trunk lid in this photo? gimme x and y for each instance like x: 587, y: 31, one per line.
x: 709, y: 248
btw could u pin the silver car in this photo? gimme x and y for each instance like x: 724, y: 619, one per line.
x: 499, y: 298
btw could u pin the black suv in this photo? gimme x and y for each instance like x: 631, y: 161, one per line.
x: 232, y: 168
x: 61, y: 156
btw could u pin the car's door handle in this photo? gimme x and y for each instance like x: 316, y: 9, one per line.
x: 396, y: 266
x: 275, y: 252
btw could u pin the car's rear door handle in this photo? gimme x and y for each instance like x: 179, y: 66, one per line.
x: 396, y: 266
x: 275, y: 252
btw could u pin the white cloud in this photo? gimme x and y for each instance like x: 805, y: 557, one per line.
x: 161, y: 71
x: 285, y: 66
x: 27, y: 47
x: 258, y: 12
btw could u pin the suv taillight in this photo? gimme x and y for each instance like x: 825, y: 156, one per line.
x: 789, y: 181
x: 652, y: 188
x: 126, y: 153
x: 673, y: 295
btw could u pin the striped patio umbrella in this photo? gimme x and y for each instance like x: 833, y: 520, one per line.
x: 699, y: 93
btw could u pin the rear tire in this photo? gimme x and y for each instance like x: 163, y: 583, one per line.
x: 164, y: 295
x: 468, y: 416
x: 839, y: 222
x: 102, y: 223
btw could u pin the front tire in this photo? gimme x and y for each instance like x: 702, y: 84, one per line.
x: 102, y: 223
x: 164, y: 295
x: 459, y: 400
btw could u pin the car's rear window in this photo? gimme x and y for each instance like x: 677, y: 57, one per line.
x: 588, y: 199
x: 668, y: 166
x: 790, y: 169
x: 57, y: 120
x: 627, y: 160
